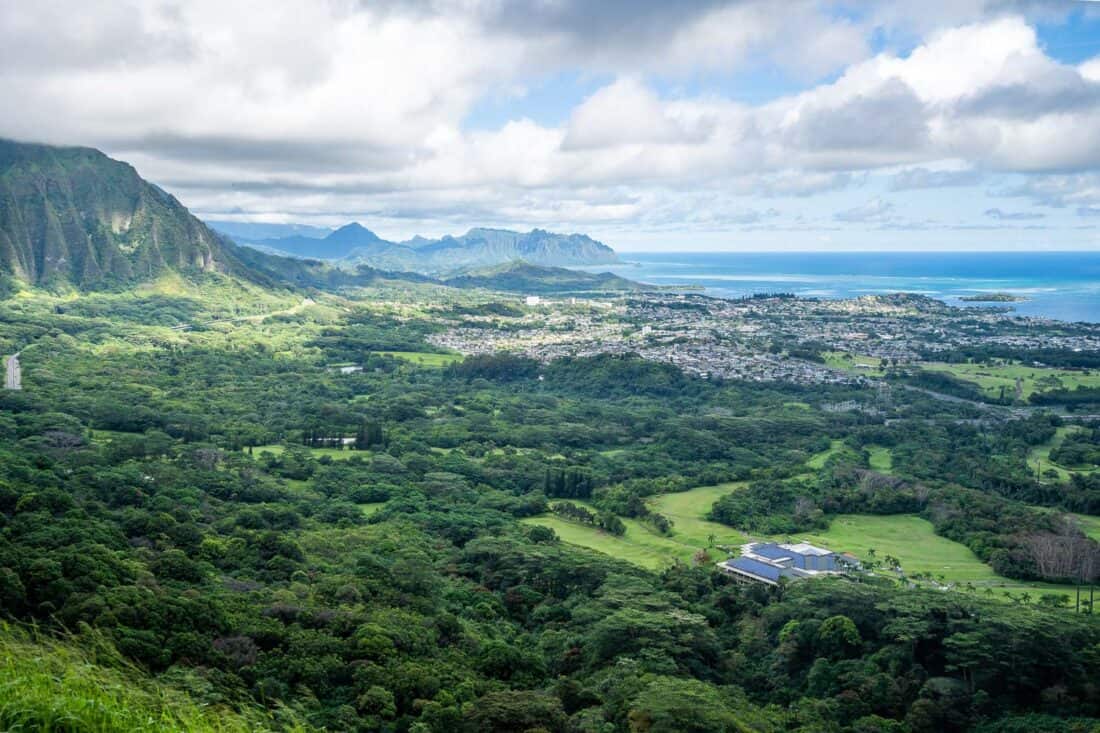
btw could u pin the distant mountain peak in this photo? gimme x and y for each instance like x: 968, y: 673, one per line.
x: 353, y: 229
x: 479, y: 247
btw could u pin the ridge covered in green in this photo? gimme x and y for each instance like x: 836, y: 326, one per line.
x: 73, y: 217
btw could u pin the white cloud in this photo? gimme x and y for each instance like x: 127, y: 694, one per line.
x: 626, y: 112
x: 875, y: 210
x: 344, y: 110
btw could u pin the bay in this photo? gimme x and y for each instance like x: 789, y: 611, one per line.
x: 1058, y: 285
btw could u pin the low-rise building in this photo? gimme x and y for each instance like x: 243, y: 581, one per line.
x: 768, y: 562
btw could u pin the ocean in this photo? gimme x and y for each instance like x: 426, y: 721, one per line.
x: 1060, y: 285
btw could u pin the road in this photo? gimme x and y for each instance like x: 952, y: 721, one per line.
x: 13, y: 376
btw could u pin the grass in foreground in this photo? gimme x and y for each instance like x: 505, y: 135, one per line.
x: 57, y: 686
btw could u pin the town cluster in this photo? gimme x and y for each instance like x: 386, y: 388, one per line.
x: 760, y: 338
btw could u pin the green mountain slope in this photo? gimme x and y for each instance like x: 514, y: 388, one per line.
x: 73, y: 216
x: 524, y: 277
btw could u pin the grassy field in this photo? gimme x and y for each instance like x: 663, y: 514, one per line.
x: 434, y: 361
x: 1090, y: 525
x: 640, y: 545
x: 1032, y: 379
x: 914, y: 543
x: 1039, y: 457
x: 335, y: 453
x: 817, y: 461
x: 686, y: 509
x: 907, y: 537
x: 881, y: 458
x: 646, y: 547
x: 372, y: 507
x: 854, y: 363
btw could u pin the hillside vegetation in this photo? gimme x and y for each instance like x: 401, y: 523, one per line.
x: 82, y: 685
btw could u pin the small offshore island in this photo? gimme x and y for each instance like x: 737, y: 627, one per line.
x: 994, y: 298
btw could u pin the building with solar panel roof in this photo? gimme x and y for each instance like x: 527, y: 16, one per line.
x: 768, y: 562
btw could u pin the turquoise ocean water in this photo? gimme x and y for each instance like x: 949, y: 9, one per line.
x: 1060, y: 285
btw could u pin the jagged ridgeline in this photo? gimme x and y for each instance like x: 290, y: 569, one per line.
x: 480, y: 247
x: 73, y: 216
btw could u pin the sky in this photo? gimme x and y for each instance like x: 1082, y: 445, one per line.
x: 697, y: 125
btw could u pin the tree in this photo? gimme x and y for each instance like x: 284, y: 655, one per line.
x: 517, y: 710
x: 675, y: 705
x: 838, y: 637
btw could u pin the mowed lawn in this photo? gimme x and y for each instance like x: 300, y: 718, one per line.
x: 817, y: 461
x: 640, y: 545
x: 1039, y: 457
x: 907, y: 537
x: 335, y: 453
x: 881, y: 458
x: 434, y: 361
x: 1033, y: 379
x: 919, y: 549
x: 644, y: 546
x: 1089, y: 525
x: 687, y: 510
x: 868, y: 366
x: 371, y: 507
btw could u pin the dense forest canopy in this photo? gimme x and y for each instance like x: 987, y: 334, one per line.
x: 260, y: 530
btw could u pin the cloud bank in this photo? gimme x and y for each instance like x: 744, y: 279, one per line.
x: 327, y: 111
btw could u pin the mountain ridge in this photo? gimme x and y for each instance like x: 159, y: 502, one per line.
x: 479, y: 247
x: 524, y: 277
x: 73, y: 216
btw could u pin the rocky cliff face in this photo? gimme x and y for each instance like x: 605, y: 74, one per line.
x: 73, y: 215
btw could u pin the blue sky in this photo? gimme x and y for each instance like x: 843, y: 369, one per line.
x: 708, y: 124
